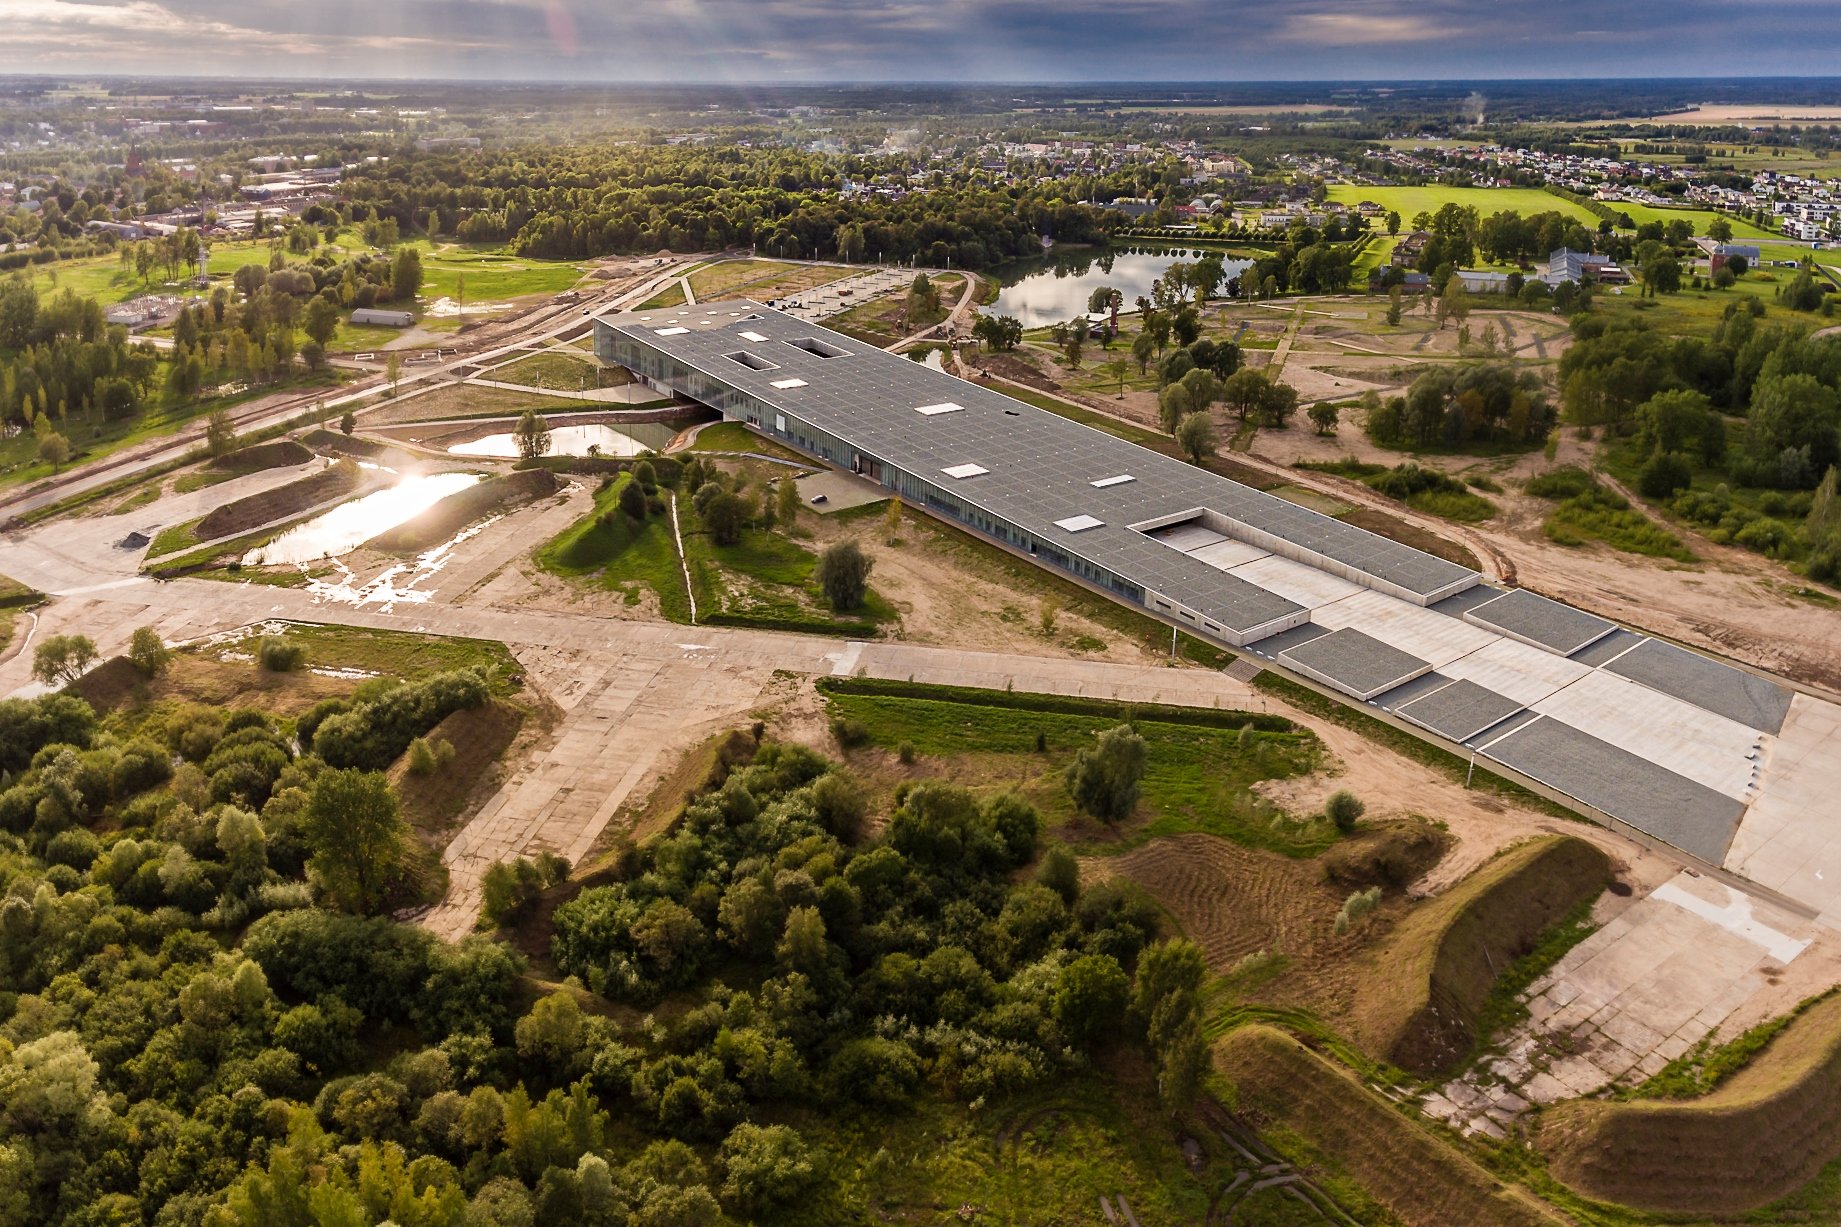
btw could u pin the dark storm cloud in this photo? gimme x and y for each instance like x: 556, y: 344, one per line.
x: 935, y: 40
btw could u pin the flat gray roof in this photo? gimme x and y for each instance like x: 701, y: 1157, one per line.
x: 1745, y: 697
x: 1654, y: 800
x: 1461, y: 710
x: 1041, y: 467
x: 1610, y: 647
x: 1358, y: 664
x: 1532, y: 618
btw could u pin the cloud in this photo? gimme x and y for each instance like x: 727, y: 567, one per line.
x: 729, y: 41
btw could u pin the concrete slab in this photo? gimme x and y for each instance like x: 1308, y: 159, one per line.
x: 842, y: 491
x: 1690, y: 741
x: 1425, y: 634
x: 1519, y: 672
x: 1790, y: 838
x: 1227, y: 553
x: 1307, y: 586
x: 1187, y: 537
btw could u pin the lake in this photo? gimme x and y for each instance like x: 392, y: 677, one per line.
x: 634, y: 440
x: 1056, y: 287
x: 349, y: 525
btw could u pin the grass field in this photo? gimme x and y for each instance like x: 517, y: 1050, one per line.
x: 1410, y: 201
x: 606, y: 547
x: 1199, y: 776
x: 1741, y: 230
x: 557, y: 369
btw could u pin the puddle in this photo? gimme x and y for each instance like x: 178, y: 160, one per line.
x: 575, y: 441
x: 447, y: 308
x: 395, y: 584
x: 349, y: 525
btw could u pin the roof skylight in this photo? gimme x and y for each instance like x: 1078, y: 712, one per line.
x: 1079, y: 524
x: 942, y: 407
x: 965, y: 470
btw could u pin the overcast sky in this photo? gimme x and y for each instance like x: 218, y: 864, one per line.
x: 928, y: 40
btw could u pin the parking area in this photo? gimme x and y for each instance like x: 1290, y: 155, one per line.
x: 840, y: 491
x: 840, y: 296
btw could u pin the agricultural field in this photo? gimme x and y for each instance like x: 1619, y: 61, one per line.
x: 1410, y: 201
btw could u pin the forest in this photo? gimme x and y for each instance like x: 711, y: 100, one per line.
x: 210, y: 1019
x: 575, y: 202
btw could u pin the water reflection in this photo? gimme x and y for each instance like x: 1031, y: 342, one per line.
x: 631, y: 440
x: 349, y: 525
x: 1057, y: 287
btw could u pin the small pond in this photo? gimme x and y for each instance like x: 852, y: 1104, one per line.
x: 633, y: 440
x: 1056, y: 287
x: 350, y: 525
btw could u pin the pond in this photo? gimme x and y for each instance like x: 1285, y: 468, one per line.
x: 633, y: 440
x: 1056, y: 287
x: 349, y: 525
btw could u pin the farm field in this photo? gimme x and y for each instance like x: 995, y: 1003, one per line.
x: 1408, y: 201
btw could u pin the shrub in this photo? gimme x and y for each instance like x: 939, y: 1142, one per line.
x: 849, y: 733
x: 1343, y: 808
x: 511, y: 889
x: 147, y: 652
x: 906, y: 753
x: 1567, y: 481
x: 1666, y: 474
x: 843, y: 574
x: 371, y: 735
x: 279, y: 654
x: 1103, y: 778
x: 427, y: 757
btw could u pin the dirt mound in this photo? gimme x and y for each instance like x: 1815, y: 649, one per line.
x: 111, y: 684
x: 1418, y: 1008
x: 1234, y: 901
x: 1390, y: 856
x: 244, y: 514
x: 345, y: 445
x: 1421, y: 1180
x: 453, y: 513
x: 276, y: 454
x: 1759, y: 1137
x: 480, y: 735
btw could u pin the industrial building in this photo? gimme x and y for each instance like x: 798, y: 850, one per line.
x: 1629, y: 728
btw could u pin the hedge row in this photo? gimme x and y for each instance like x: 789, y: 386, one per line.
x: 1064, y: 705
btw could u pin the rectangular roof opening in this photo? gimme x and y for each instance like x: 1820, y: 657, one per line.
x: 784, y: 384
x: 1120, y: 480
x: 1079, y: 524
x: 671, y: 332
x: 942, y: 407
x: 965, y: 470
x: 752, y: 361
x: 813, y: 345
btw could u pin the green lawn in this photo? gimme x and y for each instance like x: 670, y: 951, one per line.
x: 1409, y: 201
x: 1198, y: 777
x: 765, y: 580
x: 605, y: 546
x: 1741, y: 230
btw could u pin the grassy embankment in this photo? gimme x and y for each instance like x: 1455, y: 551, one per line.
x: 1426, y: 1012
